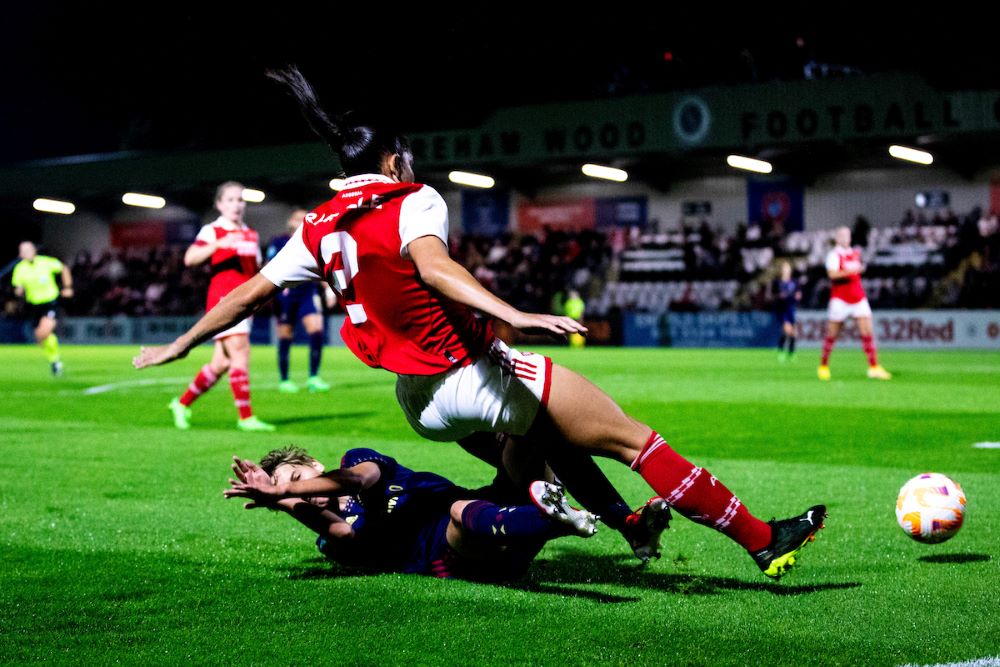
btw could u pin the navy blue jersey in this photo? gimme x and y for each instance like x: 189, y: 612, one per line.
x: 294, y: 303
x: 276, y: 244
x: 785, y: 293
x: 399, y: 523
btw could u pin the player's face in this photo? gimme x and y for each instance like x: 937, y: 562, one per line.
x: 231, y: 205
x: 295, y: 221
x: 27, y: 250
x: 294, y: 472
x: 843, y: 237
x: 786, y: 271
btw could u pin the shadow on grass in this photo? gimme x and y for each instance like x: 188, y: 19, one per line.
x: 955, y: 558
x: 560, y: 576
x: 326, y: 416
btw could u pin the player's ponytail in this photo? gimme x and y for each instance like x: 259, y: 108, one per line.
x: 360, y: 147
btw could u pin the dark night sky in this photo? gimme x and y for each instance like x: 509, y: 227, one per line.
x: 102, y: 77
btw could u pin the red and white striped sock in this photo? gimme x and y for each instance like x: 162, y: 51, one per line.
x: 203, y: 381
x: 868, y: 345
x: 698, y: 495
x: 239, y: 382
x: 827, y: 349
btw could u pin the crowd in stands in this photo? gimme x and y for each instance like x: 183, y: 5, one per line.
x: 942, y: 260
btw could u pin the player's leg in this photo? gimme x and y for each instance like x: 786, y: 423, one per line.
x: 285, y: 334
x: 313, y: 324
x: 833, y: 328
x: 782, y: 337
x: 583, y: 478
x: 286, y: 313
x: 788, y: 338
x: 46, y: 337
x: 788, y: 327
x: 875, y: 370
x: 204, y: 380
x: 480, y: 527
x: 589, y: 418
x: 237, y: 349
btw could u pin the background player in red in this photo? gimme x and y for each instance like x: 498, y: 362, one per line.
x: 847, y: 299
x: 234, y: 252
x: 381, y: 243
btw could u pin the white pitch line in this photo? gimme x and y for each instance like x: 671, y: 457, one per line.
x: 976, y: 662
x: 987, y: 445
x: 146, y: 382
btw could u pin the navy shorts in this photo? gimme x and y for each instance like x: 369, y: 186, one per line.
x: 787, y: 316
x: 294, y: 303
x: 36, y: 311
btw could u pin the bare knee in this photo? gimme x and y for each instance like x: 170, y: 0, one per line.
x: 457, y: 508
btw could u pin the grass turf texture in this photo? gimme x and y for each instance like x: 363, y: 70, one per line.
x: 118, y: 546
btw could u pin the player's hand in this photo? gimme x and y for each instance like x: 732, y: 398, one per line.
x: 66, y: 292
x: 557, y: 326
x: 251, y: 477
x: 158, y: 355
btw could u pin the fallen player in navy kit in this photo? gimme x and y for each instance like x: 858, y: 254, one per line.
x: 376, y: 513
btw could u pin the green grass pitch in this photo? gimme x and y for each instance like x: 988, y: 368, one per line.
x: 118, y: 546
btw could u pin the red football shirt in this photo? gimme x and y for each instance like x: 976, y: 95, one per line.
x: 233, y: 266
x: 847, y: 289
x: 357, y: 243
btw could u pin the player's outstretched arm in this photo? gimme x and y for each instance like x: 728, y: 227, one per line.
x: 262, y: 492
x: 235, y: 306
x: 443, y: 274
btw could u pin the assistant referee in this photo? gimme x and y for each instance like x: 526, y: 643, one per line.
x: 34, y: 279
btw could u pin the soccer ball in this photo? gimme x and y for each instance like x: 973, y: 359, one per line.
x: 930, y: 508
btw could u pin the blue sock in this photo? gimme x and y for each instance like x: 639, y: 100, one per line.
x: 504, y: 525
x: 315, y: 352
x: 284, y: 348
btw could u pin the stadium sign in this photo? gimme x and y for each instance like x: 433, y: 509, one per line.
x: 909, y: 329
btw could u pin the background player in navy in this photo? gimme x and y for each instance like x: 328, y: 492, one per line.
x: 376, y: 513
x: 787, y: 296
x: 298, y: 303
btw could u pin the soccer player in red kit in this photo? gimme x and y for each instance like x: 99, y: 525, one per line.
x: 381, y: 243
x: 234, y: 252
x: 847, y: 299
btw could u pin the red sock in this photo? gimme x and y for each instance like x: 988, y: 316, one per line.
x: 827, y: 348
x: 699, y: 496
x: 239, y: 382
x: 868, y: 344
x: 202, y: 382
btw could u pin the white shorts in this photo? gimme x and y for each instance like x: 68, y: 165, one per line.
x: 839, y: 310
x: 501, y: 391
x: 242, y: 327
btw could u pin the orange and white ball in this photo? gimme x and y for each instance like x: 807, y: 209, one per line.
x: 930, y: 508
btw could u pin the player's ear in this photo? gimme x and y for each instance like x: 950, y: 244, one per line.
x: 318, y: 466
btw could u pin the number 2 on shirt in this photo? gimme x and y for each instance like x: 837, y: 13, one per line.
x: 340, y: 259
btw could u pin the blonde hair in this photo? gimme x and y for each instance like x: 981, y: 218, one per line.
x: 228, y: 184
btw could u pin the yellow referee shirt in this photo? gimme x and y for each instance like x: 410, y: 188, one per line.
x: 38, y: 278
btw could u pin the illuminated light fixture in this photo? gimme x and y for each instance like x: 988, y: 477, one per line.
x: 911, y: 154
x: 607, y: 173
x: 749, y: 164
x: 338, y: 184
x: 253, y: 196
x: 53, y: 206
x: 472, y: 180
x: 146, y: 201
